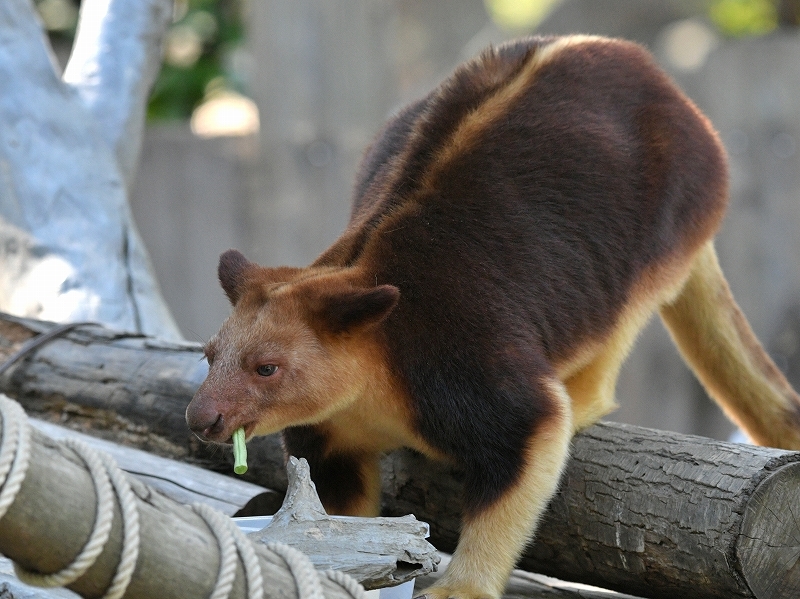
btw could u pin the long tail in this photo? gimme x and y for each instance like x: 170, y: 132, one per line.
x: 717, y: 342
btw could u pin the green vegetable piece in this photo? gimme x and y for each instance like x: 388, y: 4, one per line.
x: 239, y: 451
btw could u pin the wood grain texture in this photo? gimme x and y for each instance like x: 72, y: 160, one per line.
x: 185, y: 483
x: 533, y: 586
x: 127, y: 387
x: 662, y: 513
x: 379, y: 551
x: 645, y: 512
x: 769, y: 544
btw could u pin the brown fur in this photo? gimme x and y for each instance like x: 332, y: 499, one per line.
x: 511, y: 234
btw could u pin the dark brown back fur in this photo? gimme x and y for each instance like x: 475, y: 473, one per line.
x: 525, y: 242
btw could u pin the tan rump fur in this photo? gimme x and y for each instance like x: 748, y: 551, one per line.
x: 591, y: 376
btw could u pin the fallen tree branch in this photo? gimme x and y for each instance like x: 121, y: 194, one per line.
x: 645, y: 512
x: 384, y: 551
x: 185, y: 483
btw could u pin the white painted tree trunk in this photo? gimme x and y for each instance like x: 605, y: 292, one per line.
x: 69, y: 249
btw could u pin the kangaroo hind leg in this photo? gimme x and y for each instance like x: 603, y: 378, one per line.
x: 717, y: 342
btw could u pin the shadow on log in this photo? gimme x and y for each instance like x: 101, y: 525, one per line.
x: 644, y: 512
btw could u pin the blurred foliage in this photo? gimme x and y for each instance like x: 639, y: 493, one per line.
x: 519, y: 15
x: 738, y: 18
x: 744, y: 17
x: 200, y: 51
x: 734, y: 18
x: 206, y: 37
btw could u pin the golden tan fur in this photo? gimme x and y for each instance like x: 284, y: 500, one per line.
x: 592, y: 384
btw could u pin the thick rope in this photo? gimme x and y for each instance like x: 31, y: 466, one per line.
x: 227, y: 549
x: 130, y: 534
x: 109, y: 480
x: 347, y: 582
x: 104, y: 518
x: 15, y: 451
x: 305, y: 575
x: 232, y: 541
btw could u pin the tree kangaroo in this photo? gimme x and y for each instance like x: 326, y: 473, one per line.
x: 511, y: 234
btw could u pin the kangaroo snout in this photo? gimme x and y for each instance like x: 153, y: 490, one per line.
x: 205, y: 420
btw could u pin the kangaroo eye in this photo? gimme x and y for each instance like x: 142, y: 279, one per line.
x: 266, y: 369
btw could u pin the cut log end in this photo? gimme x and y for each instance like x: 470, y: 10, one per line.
x: 769, y: 544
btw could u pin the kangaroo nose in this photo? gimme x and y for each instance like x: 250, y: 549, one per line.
x: 215, y: 428
x: 207, y: 425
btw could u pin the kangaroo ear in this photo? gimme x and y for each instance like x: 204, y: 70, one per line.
x: 349, y: 309
x: 231, y: 269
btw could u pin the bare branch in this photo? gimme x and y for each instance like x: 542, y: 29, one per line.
x: 115, y: 59
x: 68, y: 247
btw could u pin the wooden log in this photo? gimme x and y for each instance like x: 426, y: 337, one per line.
x: 135, y: 387
x: 52, y: 516
x: 529, y: 585
x: 49, y: 522
x: 184, y: 483
x: 645, y: 512
x: 388, y: 562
